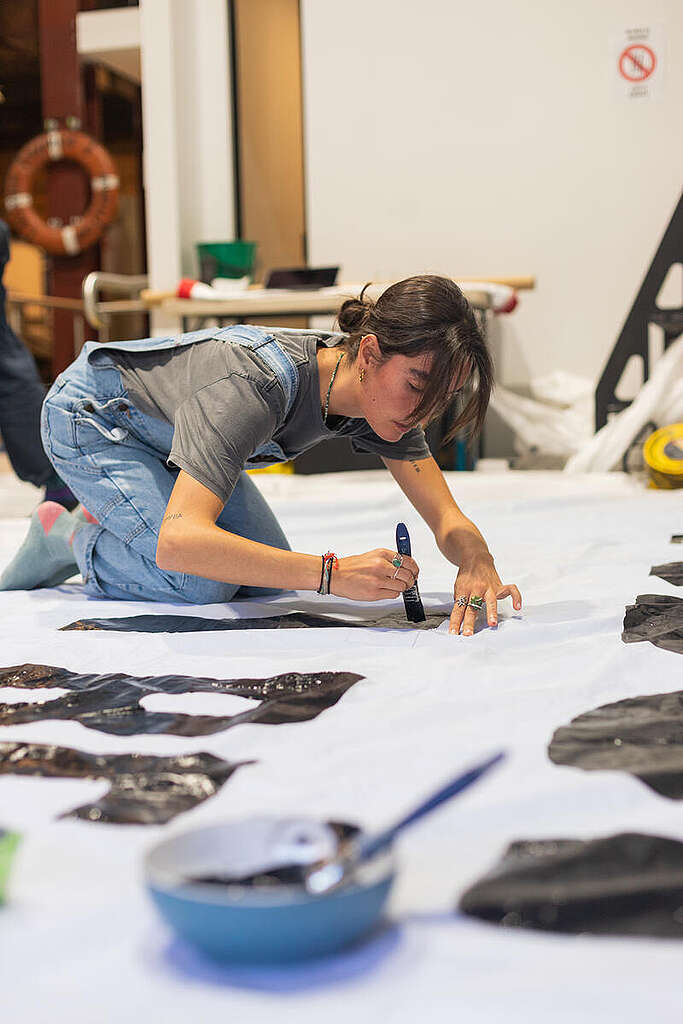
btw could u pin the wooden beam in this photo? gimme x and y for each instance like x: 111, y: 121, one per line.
x: 47, y: 301
x: 63, y: 105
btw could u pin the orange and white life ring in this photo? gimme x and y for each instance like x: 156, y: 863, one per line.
x: 61, y: 144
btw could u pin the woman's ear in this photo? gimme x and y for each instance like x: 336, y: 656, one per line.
x: 369, y: 350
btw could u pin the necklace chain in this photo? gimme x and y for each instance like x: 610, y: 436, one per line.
x: 329, y: 388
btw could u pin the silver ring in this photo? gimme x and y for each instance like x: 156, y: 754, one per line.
x: 396, y: 573
x: 462, y: 602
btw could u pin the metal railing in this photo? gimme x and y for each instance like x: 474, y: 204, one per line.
x: 98, y: 313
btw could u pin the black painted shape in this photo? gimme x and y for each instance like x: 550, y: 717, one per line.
x: 111, y: 703
x: 657, y: 618
x: 144, y: 790
x: 640, y: 735
x: 672, y: 572
x: 628, y: 884
x: 199, y: 624
x: 291, y: 620
x: 677, y: 538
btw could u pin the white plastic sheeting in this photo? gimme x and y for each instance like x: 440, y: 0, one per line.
x: 660, y: 399
x: 556, y: 420
x: 80, y: 942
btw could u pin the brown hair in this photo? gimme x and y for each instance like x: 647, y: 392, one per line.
x: 427, y: 314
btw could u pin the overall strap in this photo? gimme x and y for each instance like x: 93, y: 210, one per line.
x: 280, y: 362
x: 255, y: 338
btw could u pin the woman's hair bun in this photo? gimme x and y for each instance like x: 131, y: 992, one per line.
x: 353, y: 314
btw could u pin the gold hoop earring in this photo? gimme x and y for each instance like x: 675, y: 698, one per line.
x: 361, y: 376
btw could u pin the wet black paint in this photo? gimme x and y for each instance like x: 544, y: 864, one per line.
x: 628, y: 884
x: 293, y: 874
x: 672, y: 572
x: 291, y: 620
x: 657, y: 618
x: 144, y: 790
x: 111, y: 703
x: 639, y: 735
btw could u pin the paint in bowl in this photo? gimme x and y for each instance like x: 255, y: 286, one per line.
x: 234, y: 891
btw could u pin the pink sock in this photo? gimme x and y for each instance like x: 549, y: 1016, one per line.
x: 48, y: 513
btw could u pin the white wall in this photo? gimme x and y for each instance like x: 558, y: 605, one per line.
x: 187, y: 136
x: 205, y: 158
x: 468, y: 139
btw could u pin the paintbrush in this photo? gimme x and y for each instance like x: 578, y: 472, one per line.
x: 411, y: 597
x: 330, y: 875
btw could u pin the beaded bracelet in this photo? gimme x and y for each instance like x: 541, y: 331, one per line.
x: 329, y: 562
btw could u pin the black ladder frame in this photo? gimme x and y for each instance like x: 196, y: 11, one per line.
x: 633, y: 339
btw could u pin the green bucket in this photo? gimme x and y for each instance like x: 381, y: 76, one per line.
x: 225, y: 259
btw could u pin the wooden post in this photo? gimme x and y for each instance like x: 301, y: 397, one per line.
x: 63, y: 106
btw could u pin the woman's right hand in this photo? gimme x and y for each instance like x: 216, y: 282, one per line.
x: 373, y: 576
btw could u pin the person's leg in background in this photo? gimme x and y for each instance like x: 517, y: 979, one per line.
x: 21, y: 398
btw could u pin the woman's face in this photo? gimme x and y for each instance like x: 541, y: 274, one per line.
x: 390, y: 392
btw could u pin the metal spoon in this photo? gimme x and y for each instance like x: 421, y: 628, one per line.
x: 322, y: 878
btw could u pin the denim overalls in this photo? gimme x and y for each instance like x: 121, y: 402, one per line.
x: 113, y: 457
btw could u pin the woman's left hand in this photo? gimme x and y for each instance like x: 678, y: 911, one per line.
x: 478, y: 579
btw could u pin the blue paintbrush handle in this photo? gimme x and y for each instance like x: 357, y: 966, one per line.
x: 402, y: 539
x: 373, y: 844
x: 411, y: 598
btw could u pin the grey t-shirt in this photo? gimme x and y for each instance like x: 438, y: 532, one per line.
x: 225, y: 402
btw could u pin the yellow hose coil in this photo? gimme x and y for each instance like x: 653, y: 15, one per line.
x: 663, y: 454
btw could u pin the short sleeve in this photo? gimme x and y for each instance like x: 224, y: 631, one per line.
x: 412, y: 445
x: 219, y: 427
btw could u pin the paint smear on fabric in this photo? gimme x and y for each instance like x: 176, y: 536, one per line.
x: 628, y: 884
x: 111, y: 703
x: 291, y: 620
x: 144, y: 790
x: 657, y: 618
x: 672, y: 572
x: 639, y: 735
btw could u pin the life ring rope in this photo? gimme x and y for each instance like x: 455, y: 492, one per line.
x: 51, y: 147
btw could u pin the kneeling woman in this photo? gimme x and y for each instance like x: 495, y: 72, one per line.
x: 153, y: 437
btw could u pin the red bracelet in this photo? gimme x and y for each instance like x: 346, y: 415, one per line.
x: 329, y: 562
x: 335, y: 560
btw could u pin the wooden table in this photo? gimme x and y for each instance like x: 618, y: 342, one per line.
x: 289, y: 302
x: 254, y: 301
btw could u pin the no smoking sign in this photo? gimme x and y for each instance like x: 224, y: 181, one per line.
x: 637, y: 63
x: 636, y: 58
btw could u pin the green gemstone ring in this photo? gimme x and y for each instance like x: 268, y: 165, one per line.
x: 397, y: 562
x: 476, y: 602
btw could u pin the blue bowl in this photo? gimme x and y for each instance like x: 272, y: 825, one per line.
x: 249, y: 925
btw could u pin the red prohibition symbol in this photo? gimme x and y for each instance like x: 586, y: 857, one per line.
x: 637, y: 63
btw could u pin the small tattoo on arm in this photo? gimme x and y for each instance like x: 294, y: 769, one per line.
x: 416, y: 467
x: 173, y: 515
